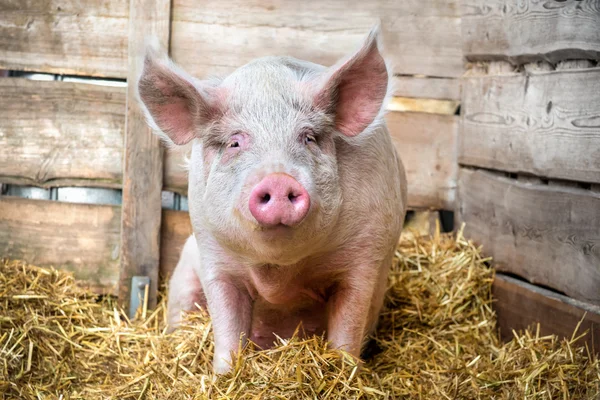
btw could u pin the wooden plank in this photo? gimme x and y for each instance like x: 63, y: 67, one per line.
x: 85, y: 37
x: 60, y: 133
x: 175, y: 229
x: 530, y: 30
x: 80, y: 238
x: 547, y: 124
x: 143, y: 172
x: 432, y: 106
x: 219, y: 36
x: 427, y: 146
x: 547, y: 234
x: 426, y: 87
x: 175, y: 170
x: 520, y: 305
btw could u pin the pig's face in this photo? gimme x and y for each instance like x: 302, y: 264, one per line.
x: 265, y: 158
x: 269, y: 164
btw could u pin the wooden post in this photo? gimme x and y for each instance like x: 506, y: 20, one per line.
x: 143, y: 160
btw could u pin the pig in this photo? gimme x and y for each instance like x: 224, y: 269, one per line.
x: 297, y: 195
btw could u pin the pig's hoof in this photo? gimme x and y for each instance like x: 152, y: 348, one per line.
x: 221, y: 366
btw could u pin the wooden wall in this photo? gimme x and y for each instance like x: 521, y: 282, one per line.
x: 529, y: 156
x: 64, y: 134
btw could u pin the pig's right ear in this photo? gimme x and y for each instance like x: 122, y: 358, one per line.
x: 174, y: 102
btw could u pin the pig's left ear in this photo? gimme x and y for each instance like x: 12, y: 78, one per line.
x: 175, y: 104
x: 355, y: 89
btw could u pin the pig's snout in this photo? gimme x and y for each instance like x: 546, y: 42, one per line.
x: 279, y: 199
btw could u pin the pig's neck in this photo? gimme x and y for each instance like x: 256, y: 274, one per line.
x: 282, y: 284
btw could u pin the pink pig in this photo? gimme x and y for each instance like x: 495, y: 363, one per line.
x: 296, y: 195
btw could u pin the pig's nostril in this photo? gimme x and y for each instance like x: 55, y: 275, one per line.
x: 279, y: 200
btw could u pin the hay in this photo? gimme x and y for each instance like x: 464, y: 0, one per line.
x: 437, y: 340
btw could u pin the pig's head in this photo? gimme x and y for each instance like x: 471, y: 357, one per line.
x: 264, y: 177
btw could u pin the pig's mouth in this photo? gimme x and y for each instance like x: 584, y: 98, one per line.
x: 277, y: 228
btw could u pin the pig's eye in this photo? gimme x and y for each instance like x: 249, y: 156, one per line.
x: 236, y: 141
x: 309, y: 138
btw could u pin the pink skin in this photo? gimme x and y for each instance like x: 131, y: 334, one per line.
x: 318, y: 248
x: 279, y: 200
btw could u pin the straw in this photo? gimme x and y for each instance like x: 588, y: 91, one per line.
x: 437, y: 339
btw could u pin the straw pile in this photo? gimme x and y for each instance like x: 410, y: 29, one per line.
x: 437, y: 340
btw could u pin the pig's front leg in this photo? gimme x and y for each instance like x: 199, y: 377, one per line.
x: 349, y: 312
x: 231, y: 312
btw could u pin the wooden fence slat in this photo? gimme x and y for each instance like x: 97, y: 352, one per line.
x: 420, y: 37
x: 60, y: 133
x: 427, y: 146
x: 520, y: 305
x: 175, y: 229
x: 80, y: 238
x: 547, y: 124
x: 143, y: 172
x: 547, y: 234
x: 426, y: 87
x: 90, y: 37
x: 530, y: 30
x: 83, y: 37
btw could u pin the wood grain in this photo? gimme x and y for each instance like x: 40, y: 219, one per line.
x: 175, y: 229
x: 80, y: 238
x: 60, y: 133
x: 530, y: 30
x: 547, y: 124
x: 175, y: 170
x: 421, y: 37
x: 431, y: 106
x: 143, y: 169
x: 426, y: 87
x: 427, y: 146
x: 85, y: 37
x: 520, y: 305
x: 549, y: 235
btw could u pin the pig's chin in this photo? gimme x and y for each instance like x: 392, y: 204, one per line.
x: 281, y: 244
x: 276, y: 233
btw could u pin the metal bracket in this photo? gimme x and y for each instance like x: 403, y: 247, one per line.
x: 140, y: 285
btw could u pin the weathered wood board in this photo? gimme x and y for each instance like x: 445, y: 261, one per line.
x: 530, y: 30
x: 520, y: 305
x: 546, y: 124
x: 143, y: 158
x: 426, y: 87
x: 90, y: 37
x: 80, y: 238
x: 175, y: 229
x: 85, y: 37
x: 547, y: 234
x: 218, y: 36
x: 427, y: 146
x: 59, y: 133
